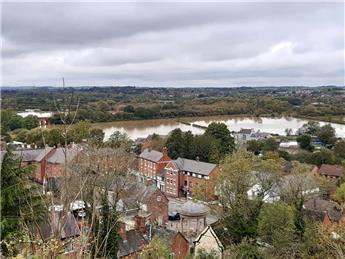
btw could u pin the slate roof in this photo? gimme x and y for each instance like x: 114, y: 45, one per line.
x: 58, y: 157
x: 134, y: 243
x: 317, y: 207
x: 193, y: 166
x: 151, y: 155
x: 331, y: 170
x: 31, y: 155
x: 246, y: 131
x: 70, y: 227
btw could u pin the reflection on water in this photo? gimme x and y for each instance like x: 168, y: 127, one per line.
x: 141, y: 129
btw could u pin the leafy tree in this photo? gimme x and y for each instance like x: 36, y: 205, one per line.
x: 340, y: 194
x: 157, y: 249
x: 247, y: 250
x: 54, y: 137
x: 304, y: 142
x: 339, y: 149
x: 129, y: 109
x: 175, y: 143
x: 188, y: 139
x: 240, y: 213
x: 30, y: 122
x: 20, y: 204
x: 21, y: 135
x: 221, y: 133
x: 79, y: 132
x: 269, y: 144
x: 109, y: 224
x: 326, y: 134
x: 96, y: 136
x: 254, y: 146
x: 119, y: 140
x: 206, y: 148
x: 310, y: 128
x: 276, y: 224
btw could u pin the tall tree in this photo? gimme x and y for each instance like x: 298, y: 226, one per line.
x: 221, y: 132
x: 327, y: 134
x: 175, y: 143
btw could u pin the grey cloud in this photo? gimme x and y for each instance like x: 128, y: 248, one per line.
x: 173, y: 43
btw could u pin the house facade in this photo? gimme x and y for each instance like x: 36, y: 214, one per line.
x: 182, y: 175
x: 151, y: 164
x: 208, y: 242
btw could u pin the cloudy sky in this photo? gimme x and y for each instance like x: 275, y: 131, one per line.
x: 173, y: 44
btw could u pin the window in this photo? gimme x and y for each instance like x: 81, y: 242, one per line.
x: 199, y: 176
x: 159, y: 198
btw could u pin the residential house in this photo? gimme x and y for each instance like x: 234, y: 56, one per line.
x: 245, y: 135
x: 182, y: 175
x: 325, y: 211
x: 178, y: 243
x: 133, y: 241
x: 331, y: 171
x: 208, y: 242
x: 144, y: 200
x: 36, y: 157
x: 151, y: 164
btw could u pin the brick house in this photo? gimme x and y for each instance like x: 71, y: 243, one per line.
x: 325, y: 211
x: 179, y: 245
x: 153, y: 205
x: 151, y: 164
x: 36, y: 157
x: 331, y: 171
x: 182, y: 175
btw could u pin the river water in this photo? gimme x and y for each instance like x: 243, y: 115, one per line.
x: 143, y: 128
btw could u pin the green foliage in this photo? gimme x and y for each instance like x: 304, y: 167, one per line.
x: 30, y: 122
x: 79, y: 132
x: 221, y: 133
x: 311, y: 128
x: 203, y: 254
x: 20, y: 204
x: 247, y: 250
x: 340, y: 194
x: 129, y: 109
x: 96, y: 136
x: 339, y: 149
x: 326, y: 134
x: 119, y: 140
x: 304, y: 142
x: 276, y: 224
x: 269, y: 144
x: 254, y: 146
x: 206, y: 148
x: 175, y: 144
x: 157, y: 249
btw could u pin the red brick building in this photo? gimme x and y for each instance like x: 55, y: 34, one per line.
x: 179, y: 246
x: 154, y: 205
x: 151, y: 164
x: 182, y: 175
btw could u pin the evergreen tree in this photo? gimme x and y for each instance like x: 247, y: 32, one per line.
x: 175, y: 144
x: 221, y: 133
x: 20, y: 204
x: 109, y: 237
x: 188, y: 139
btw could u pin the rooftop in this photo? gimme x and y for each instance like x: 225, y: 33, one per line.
x: 194, y: 166
x: 151, y: 155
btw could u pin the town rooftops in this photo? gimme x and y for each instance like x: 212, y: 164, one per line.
x: 134, y: 243
x: 331, y: 170
x: 246, y: 131
x: 151, y: 155
x: 317, y: 208
x: 58, y: 157
x: 31, y: 155
x: 194, y: 166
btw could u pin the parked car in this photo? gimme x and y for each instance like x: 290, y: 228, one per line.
x: 174, y: 215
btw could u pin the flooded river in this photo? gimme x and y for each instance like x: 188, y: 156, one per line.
x: 143, y: 128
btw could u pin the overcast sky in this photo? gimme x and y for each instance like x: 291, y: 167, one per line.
x: 175, y: 44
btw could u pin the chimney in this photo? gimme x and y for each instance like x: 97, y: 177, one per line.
x: 140, y: 224
x: 165, y: 151
x: 197, y: 158
x: 122, y: 231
